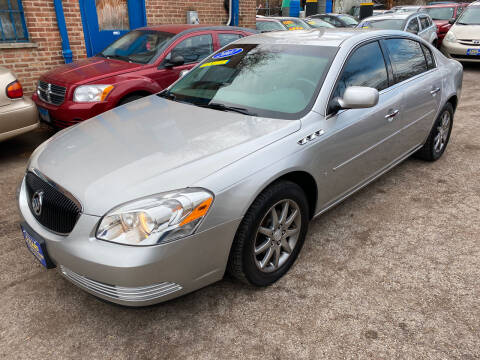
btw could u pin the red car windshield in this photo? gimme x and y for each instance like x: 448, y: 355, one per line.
x: 138, y: 46
x: 440, y: 13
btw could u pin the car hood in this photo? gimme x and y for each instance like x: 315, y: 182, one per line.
x: 471, y: 32
x: 87, y: 70
x: 150, y: 146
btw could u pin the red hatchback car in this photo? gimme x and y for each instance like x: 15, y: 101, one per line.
x: 142, y: 62
x: 443, y: 15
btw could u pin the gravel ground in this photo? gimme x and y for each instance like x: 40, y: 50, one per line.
x: 393, y: 272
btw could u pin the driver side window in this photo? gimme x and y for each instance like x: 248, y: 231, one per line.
x: 194, y: 48
x: 365, y: 67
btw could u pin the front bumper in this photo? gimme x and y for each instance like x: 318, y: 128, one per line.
x: 70, y: 113
x: 135, y: 276
x: 458, y: 51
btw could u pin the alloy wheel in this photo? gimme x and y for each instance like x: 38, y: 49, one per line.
x: 443, y: 130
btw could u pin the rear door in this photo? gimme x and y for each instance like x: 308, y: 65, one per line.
x: 420, y: 83
x: 193, y: 47
x: 363, y: 142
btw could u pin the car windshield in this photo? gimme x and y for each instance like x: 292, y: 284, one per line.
x: 294, y: 24
x: 348, y: 20
x: 386, y: 24
x: 267, y: 80
x: 440, y: 13
x: 318, y: 23
x: 138, y: 46
x: 471, y: 16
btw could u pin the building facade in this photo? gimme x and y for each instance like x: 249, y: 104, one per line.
x: 38, y: 35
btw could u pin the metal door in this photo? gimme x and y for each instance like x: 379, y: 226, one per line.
x: 104, y: 21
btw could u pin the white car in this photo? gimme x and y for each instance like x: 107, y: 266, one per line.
x: 417, y: 23
x: 462, y: 41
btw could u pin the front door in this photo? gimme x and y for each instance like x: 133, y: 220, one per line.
x: 104, y: 21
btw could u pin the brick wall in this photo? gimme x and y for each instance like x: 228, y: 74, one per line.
x: 29, y: 63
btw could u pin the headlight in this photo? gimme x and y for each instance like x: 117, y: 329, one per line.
x: 92, y: 93
x: 450, y: 37
x: 156, y: 219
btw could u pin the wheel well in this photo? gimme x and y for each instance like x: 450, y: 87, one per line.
x: 308, y: 184
x: 135, y: 93
x: 454, y: 101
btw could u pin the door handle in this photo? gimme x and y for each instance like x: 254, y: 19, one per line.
x: 390, y: 116
x: 435, y: 91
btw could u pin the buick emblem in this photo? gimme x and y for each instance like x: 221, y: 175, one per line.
x: 37, y: 201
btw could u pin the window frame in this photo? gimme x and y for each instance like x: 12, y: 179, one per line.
x: 421, y: 25
x: 424, y: 57
x: 388, y: 66
x: 10, y: 11
x: 415, y: 18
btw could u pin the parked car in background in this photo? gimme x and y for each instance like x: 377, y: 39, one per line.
x: 142, y: 62
x: 416, y: 23
x: 443, y: 15
x: 337, y: 20
x: 462, y: 41
x: 267, y: 24
x: 18, y: 114
x: 355, y: 9
x: 406, y: 8
x: 318, y: 23
x: 225, y: 169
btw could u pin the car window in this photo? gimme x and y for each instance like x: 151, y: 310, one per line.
x: 440, y: 13
x: 386, y: 24
x: 429, y: 57
x: 226, y: 39
x: 413, y: 26
x: 194, y: 48
x: 424, y: 22
x: 335, y: 21
x: 407, y: 58
x: 269, y: 26
x: 259, y: 78
x: 365, y: 67
x: 348, y: 20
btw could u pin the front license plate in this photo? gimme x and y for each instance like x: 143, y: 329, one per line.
x: 473, y: 52
x: 35, y: 247
x: 44, y: 114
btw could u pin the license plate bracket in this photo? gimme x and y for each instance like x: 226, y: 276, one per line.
x: 36, y: 244
x: 44, y: 114
x: 473, y: 52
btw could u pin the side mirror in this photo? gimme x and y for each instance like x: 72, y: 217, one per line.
x: 451, y: 21
x: 175, y: 61
x: 359, y: 97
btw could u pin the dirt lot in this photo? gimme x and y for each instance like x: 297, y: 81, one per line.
x: 393, y: 272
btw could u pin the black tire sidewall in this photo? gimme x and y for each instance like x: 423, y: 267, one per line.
x: 289, y: 191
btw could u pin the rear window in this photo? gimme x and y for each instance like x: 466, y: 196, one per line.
x: 440, y: 13
x: 407, y: 58
x: 386, y: 24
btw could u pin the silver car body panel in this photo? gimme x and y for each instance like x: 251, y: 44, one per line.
x: 154, y: 145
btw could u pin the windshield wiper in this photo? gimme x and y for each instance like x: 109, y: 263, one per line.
x: 223, y: 107
x: 166, y: 94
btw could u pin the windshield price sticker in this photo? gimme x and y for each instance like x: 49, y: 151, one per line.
x: 227, y: 53
x: 213, y: 63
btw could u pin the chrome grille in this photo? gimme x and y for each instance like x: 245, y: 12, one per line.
x: 51, y: 93
x: 142, y: 293
x: 469, y: 42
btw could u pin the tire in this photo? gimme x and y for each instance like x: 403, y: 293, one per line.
x: 243, y: 263
x: 435, y: 43
x: 129, y: 99
x: 439, y: 136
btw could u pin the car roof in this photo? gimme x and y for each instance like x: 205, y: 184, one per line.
x: 393, y: 16
x: 180, y: 28
x: 316, y: 37
x: 442, y: 5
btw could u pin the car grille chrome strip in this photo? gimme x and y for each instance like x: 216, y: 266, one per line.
x: 51, y: 93
x: 133, y: 294
x: 469, y: 42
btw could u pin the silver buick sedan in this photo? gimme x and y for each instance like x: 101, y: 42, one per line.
x: 223, y: 170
